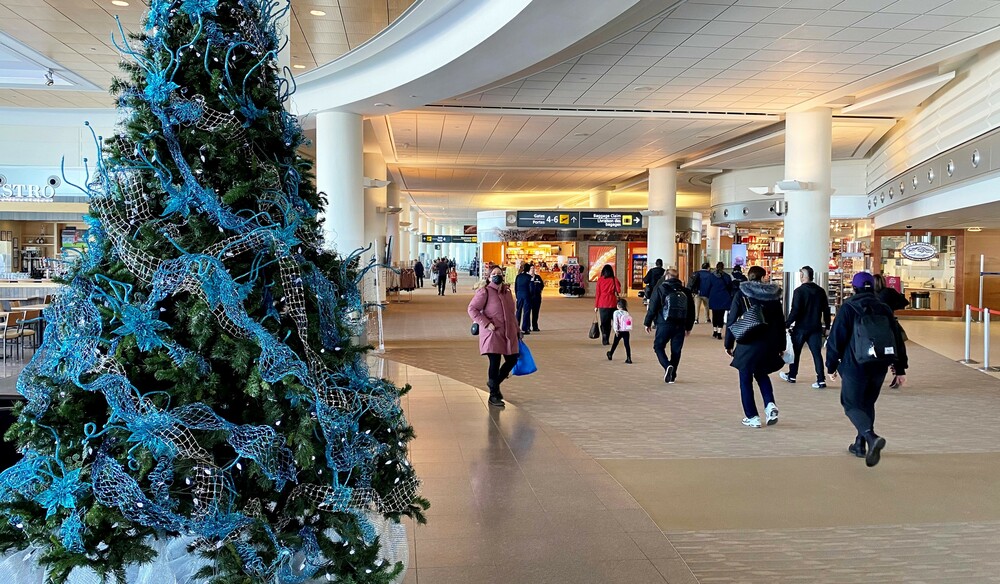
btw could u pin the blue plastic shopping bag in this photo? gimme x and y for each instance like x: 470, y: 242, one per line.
x: 525, y: 362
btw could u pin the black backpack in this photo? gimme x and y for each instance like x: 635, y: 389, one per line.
x: 675, y: 305
x: 874, y: 340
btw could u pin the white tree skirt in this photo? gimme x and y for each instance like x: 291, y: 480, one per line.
x: 175, y: 565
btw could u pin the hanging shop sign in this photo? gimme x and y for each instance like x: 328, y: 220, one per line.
x: 428, y: 238
x: 919, y: 251
x: 552, y: 219
x: 610, y: 220
x: 27, y: 193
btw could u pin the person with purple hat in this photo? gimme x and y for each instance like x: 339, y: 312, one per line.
x: 864, y: 341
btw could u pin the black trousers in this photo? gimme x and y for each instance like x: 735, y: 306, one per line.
x: 815, y: 341
x: 522, y: 312
x: 859, y: 390
x: 623, y: 337
x: 605, y: 315
x: 535, y: 307
x: 498, y: 372
x: 442, y: 280
x: 674, y: 335
x: 718, y: 318
x: 420, y: 281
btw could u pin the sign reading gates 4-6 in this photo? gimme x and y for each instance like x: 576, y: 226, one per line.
x: 919, y: 251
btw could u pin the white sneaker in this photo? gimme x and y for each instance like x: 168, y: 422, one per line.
x: 819, y: 385
x: 771, y: 413
x: 784, y: 377
x: 753, y: 422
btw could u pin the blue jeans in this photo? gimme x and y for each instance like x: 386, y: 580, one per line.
x: 746, y: 391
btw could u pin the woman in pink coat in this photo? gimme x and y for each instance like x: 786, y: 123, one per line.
x: 492, y: 308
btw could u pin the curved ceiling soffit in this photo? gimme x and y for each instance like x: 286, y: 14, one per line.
x: 443, y: 48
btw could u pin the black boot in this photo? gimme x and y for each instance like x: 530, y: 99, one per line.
x: 496, y: 398
x: 859, y: 448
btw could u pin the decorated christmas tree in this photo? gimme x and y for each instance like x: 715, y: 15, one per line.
x: 197, y: 410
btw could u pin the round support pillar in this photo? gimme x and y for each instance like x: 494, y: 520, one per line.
x: 808, y: 152
x: 339, y: 173
x: 600, y: 200
x: 661, y: 225
x: 392, y: 234
x: 374, y: 198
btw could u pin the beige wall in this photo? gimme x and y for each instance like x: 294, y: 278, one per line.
x: 986, y: 242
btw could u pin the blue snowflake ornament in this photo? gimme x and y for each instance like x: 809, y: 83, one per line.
x: 143, y: 324
x: 63, y: 492
x: 195, y: 8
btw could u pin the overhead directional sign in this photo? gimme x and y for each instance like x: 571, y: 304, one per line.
x: 428, y: 238
x: 611, y: 220
x: 554, y: 219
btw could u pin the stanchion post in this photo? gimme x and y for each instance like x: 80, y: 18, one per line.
x: 986, y: 316
x: 968, y: 337
x: 982, y: 279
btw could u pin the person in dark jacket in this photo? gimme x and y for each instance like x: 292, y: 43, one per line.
x: 535, y: 298
x: 652, y: 277
x: 522, y: 291
x: 738, y: 276
x: 700, y: 286
x: 669, y: 330
x: 862, y: 382
x: 895, y: 301
x: 441, y: 270
x: 720, y: 297
x: 418, y: 271
x: 758, y: 354
x: 810, y: 314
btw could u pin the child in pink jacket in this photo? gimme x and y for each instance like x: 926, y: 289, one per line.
x: 621, y: 322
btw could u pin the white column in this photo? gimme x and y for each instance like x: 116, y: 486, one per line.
x: 600, y: 200
x: 661, y: 226
x: 424, y: 228
x: 808, y: 151
x: 339, y: 172
x: 414, y: 234
x: 392, y: 222
x: 375, y: 198
x: 713, y: 241
x: 404, y: 233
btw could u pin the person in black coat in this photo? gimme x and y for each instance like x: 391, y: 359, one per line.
x: 535, y: 297
x: 418, y: 271
x: 522, y: 291
x: 652, y: 277
x: 441, y: 269
x: 862, y: 382
x: 758, y: 354
x: 810, y: 314
x: 895, y: 301
x: 672, y: 330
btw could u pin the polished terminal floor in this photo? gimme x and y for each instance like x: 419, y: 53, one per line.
x: 599, y: 472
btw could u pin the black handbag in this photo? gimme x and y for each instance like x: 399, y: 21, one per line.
x: 751, y: 320
x: 595, y: 329
x: 475, y: 329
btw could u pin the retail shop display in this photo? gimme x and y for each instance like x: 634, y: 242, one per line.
x: 197, y: 409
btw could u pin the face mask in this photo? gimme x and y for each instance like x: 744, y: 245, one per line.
x: 497, y: 279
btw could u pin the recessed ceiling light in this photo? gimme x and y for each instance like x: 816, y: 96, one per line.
x: 119, y: 2
x: 317, y: 13
x: 298, y: 66
x: 382, y: 104
x: 642, y: 88
x: 581, y: 134
x: 975, y: 229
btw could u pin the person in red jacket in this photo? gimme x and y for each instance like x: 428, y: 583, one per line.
x: 606, y: 300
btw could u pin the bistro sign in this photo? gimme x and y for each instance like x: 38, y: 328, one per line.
x: 919, y: 251
x: 18, y: 192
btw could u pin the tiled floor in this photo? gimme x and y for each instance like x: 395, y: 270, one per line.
x: 517, y: 497
x: 513, y: 500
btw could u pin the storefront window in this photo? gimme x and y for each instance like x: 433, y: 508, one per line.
x: 929, y: 284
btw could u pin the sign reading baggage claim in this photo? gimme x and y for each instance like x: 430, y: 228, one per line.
x: 428, y: 238
x: 559, y: 219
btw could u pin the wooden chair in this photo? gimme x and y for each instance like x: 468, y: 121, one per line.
x: 11, y: 327
x: 28, y: 322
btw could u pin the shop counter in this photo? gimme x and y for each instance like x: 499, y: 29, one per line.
x: 21, y: 289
